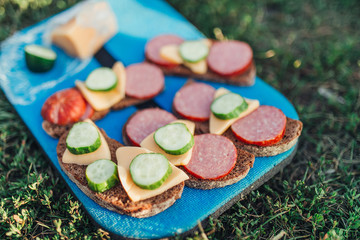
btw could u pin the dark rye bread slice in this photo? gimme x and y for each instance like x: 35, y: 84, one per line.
x: 56, y: 131
x: 127, y: 102
x: 244, y: 162
x: 245, y: 79
x: 116, y: 199
x: 292, y: 132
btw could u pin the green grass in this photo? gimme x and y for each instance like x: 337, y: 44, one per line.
x: 308, y: 50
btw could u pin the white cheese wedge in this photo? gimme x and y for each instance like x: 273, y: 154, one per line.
x: 171, y: 53
x: 198, y: 67
x: 87, y: 31
x: 104, y: 100
x: 103, y: 152
x: 219, y: 126
x: 183, y: 159
x: 124, y: 156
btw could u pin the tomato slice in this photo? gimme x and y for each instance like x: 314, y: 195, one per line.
x: 64, y: 107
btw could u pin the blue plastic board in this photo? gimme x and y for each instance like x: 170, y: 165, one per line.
x: 138, y: 22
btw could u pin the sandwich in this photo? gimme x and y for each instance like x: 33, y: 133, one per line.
x: 104, y: 89
x: 112, y: 174
x: 228, y: 61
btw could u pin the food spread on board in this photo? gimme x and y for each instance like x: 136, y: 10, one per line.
x: 209, y: 141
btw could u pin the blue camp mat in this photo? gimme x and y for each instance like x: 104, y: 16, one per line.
x: 138, y: 22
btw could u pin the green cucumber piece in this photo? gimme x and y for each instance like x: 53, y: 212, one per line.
x: 102, y: 175
x: 228, y: 106
x: 193, y: 51
x: 83, y: 138
x: 101, y: 79
x: 174, y: 138
x: 39, y: 58
x: 150, y: 170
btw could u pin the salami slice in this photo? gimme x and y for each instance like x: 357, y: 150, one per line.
x: 193, y: 101
x: 213, y: 157
x: 152, y: 48
x: 230, y: 58
x: 146, y: 121
x: 143, y: 81
x: 263, y: 127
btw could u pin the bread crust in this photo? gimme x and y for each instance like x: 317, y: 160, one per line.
x: 245, y: 79
x: 116, y: 198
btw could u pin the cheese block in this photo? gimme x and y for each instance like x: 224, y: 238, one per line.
x: 87, y: 32
x: 124, y: 156
x: 171, y: 53
x: 103, y: 152
x: 219, y: 126
x: 104, y: 100
x: 183, y: 159
x: 198, y: 67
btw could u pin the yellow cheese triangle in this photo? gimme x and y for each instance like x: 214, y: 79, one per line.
x: 120, y: 72
x: 219, y: 126
x: 103, y: 152
x: 171, y: 53
x: 124, y: 156
x: 198, y: 67
x: 183, y: 159
x: 104, y: 100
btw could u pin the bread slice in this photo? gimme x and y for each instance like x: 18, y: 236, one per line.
x: 126, y: 102
x: 292, y: 132
x: 245, y: 79
x: 244, y: 162
x: 55, y: 130
x: 116, y: 198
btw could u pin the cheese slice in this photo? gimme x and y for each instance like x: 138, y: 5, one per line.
x: 207, y: 42
x: 198, y: 67
x: 171, y: 53
x: 104, y: 100
x: 124, y: 156
x: 120, y: 72
x: 87, y: 32
x: 103, y: 152
x: 219, y: 126
x: 183, y: 159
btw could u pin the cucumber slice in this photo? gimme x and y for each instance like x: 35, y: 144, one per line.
x: 150, y: 170
x: 193, y: 51
x: 101, y: 175
x: 101, y: 79
x: 39, y: 58
x: 174, y: 138
x: 83, y: 138
x: 228, y: 106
